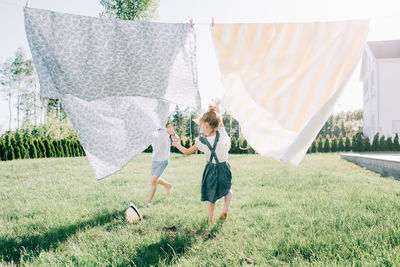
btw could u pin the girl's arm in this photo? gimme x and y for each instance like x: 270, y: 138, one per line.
x: 184, y: 150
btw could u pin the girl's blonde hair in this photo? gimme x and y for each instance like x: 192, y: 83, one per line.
x: 211, y: 117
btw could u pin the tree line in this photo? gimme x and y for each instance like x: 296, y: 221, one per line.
x: 355, y: 144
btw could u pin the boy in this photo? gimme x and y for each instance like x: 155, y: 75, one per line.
x: 161, y: 153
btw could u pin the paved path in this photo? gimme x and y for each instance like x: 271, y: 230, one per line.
x: 387, y: 164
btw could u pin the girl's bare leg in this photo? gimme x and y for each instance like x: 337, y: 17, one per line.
x: 211, y: 207
x: 164, y: 183
x: 153, y: 188
x: 227, y: 202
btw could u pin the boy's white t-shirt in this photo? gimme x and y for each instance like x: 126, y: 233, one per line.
x: 161, y: 145
x: 223, y: 146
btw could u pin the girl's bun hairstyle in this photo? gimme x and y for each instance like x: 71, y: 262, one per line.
x: 211, y: 117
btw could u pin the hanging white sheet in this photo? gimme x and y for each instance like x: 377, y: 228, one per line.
x: 283, y: 79
x: 115, y: 78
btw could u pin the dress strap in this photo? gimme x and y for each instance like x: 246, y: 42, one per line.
x: 212, y: 148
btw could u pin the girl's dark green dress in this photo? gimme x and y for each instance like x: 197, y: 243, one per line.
x: 217, y: 177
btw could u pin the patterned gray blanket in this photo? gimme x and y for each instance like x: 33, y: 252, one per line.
x: 116, y: 79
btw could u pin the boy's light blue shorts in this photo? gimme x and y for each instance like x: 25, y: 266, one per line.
x: 158, y: 167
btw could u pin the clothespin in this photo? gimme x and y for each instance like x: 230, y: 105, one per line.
x: 27, y: 3
x: 212, y: 22
x: 191, y: 22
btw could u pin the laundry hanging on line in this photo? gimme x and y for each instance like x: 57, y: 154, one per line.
x: 283, y: 79
x: 114, y: 78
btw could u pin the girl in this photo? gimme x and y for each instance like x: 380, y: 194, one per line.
x: 217, y: 176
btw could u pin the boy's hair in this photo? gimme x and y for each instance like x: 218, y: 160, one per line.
x: 211, y: 117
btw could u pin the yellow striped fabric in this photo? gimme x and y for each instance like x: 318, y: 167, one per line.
x: 282, y: 80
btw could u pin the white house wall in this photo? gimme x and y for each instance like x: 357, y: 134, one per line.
x: 389, y: 96
x: 369, y: 77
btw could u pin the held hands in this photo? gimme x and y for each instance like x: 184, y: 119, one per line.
x: 175, y: 140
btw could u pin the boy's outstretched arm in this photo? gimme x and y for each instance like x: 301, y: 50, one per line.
x: 184, y: 150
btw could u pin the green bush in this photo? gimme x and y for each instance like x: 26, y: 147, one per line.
x: 32, y: 150
x: 82, y: 151
x: 375, y: 143
x: 347, y: 144
x: 396, y: 145
x: 367, y: 145
x: 234, y: 146
x: 389, y: 143
x: 314, y: 147
x: 46, y: 144
x: 334, y: 146
x: 65, y: 147
x: 341, y: 144
x: 359, y: 143
x: 382, y: 144
x: 76, y: 148
x: 320, y: 147
x: 327, y: 145
x: 354, y: 143
x: 3, y: 151
x: 42, y: 148
x: 38, y: 150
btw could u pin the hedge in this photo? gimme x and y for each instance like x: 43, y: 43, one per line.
x: 13, y: 145
x: 17, y: 146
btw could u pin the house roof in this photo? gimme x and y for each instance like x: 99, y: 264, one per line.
x: 385, y: 49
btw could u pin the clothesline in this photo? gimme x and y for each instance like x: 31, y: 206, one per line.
x: 212, y: 19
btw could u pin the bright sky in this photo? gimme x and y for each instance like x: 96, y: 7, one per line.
x: 384, y: 14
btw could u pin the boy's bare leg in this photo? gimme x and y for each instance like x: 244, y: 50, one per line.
x: 211, y: 207
x: 227, y: 202
x: 164, y: 183
x: 153, y: 188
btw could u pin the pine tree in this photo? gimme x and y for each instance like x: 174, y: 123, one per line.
x: 17, y: 151
x: 367, y: 145
x: 396, y: 145
x: 32, y: 150
x: 389, y: 143
x: 9, y: 148
x: 65, y: 147
x: 347, y: 145
x: 53, y: 149
x: 320, y: 147
x: 2, y: 150
x: 60, y: 148
x: 382, y: 144
x: 82, y: 151
x: 234, y: 146
x: 327, y: 145
x: 76, y: 148
x: 42, y: 148
x: 334, y: 146
x: 375, y: 143
x: 56, y: 151
x: 24, y: 151
x: 48, y: 149
x: 71, y: 147
x: 341, y: 144
x: 360, y: 144
x: 38, y: 151
x: 313, y: 147
x: 354, y: 147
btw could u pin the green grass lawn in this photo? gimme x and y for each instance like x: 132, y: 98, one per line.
x: 325, y: 212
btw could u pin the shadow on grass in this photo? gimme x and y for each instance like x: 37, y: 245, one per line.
x: 172, y: 245
x: 11, y: 248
